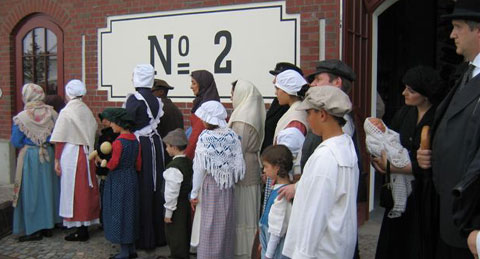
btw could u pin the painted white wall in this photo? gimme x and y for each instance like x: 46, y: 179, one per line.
x: 373, y: 105
x: 7, y: 162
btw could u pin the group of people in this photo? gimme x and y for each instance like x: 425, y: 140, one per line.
x: 153, y: 178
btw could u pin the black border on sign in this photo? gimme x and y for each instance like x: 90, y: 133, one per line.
x: 190, y: 13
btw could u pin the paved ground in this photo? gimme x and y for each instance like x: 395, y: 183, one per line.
x: 98, y: 247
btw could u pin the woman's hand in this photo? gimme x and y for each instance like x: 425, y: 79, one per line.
x: 193, y: 203
x: 167, y: 220
x: 380, y: 163
x: 58, y: 169
x: 424, y: 158
x: 472, y: 242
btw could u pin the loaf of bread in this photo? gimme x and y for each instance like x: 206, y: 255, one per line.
x: 425, y: 138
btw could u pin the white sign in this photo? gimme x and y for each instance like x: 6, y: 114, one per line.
x: 233, y: 42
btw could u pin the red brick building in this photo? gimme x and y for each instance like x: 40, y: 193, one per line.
x: 380, y: 39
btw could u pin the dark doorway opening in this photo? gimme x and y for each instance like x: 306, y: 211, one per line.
x: 411, y: 33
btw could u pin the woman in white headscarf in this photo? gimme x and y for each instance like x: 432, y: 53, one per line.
x: 248, y: 121
x: 218, y: 164
x: 36, y: 191
x: 74, y: 137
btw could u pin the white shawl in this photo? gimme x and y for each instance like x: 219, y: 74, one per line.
x: 219, y: 153
x: 75, y: 125
x: 248, y: 107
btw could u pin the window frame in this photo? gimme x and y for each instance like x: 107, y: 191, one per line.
x: 33, y: 22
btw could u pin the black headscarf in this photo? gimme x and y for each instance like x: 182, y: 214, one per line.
x: 427, y: 82
x: 207, y: 88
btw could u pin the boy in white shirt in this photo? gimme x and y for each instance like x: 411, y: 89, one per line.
x: 178, y: 184
x: 323, y: 222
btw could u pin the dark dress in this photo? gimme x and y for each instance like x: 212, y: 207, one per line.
x: 274, y: 113
x: 120, y: 208
x: 178, y: 232
x: 172, y: 119
x: 413, y: 234
x: 152, y: 230
x: 106, y: 134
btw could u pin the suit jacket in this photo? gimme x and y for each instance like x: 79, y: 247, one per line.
x: 455, y: 151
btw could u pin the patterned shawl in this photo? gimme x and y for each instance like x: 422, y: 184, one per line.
x: 219, y: 153
x: 37, y: 119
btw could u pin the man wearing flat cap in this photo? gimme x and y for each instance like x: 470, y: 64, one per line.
x: 172, y: 116
x: 323, y: 222
x: 455, y: 153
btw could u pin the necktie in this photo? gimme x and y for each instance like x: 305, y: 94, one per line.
x: 466, y: 76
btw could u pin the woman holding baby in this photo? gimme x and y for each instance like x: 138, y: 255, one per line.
x: 411, y: 233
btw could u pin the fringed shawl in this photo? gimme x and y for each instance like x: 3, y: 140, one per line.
x: 219, y: 153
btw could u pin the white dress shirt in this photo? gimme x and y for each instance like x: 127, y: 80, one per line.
x: 173, y: 181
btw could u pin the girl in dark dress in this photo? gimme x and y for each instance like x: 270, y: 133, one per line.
x: 120, y: 208
x: 413, y: 235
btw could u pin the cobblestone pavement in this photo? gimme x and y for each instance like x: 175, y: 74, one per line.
x: 98, y: 247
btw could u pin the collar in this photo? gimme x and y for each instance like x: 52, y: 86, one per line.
x: 128, y: 136
x: 182, y: 155
x: 476, y: 63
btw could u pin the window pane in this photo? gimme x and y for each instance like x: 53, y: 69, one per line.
x: 51, y: 42
x: 40, y: 69
x: 27, y: 70
x: 39, y: 40
x: 27, y: 44
x: 52, y: 75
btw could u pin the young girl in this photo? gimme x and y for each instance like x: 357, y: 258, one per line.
x: 218, y: 164
x: 277, y: 162
x: 120, y: 197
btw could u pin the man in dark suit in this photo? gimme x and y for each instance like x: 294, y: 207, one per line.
x: 455, y: 150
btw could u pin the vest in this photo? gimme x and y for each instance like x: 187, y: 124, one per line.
x: 183, y: 164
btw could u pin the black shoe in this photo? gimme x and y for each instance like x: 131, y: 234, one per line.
x: 47, y: 232
x: 134, y: 255
x: 33, y: 237
x: 77, y: 237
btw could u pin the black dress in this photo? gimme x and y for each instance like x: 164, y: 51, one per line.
x: 413, y: 235
x: 152, y: 230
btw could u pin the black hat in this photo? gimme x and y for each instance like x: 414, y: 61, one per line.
x: 282, y: 66
x: 465, y: 10
x: 161, y: 84
x: 335, y: 67
x: 425, y: 81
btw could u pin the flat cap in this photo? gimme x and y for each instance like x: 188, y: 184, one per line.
x: 329, y: 98
x: 161, y: 84
x: 335, y: 67
x: 176, y: 137
x: 282, y: 66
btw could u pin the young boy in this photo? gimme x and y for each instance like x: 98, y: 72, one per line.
x: 178, y: 184
x: 323, y: 223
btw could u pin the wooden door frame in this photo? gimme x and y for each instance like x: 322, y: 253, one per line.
x: 28, y: 24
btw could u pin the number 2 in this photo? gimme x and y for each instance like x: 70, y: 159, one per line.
x: 228, y: 45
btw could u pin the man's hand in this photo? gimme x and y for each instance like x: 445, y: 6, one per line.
x: 424, y: 158
x: 472, y: 243
x: 58, y: 169
x: 286, y: 191
x: 167, y: 220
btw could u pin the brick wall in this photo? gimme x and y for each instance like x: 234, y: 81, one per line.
x: 77, y: 17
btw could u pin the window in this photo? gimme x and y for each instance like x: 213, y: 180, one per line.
x: 39, y: 56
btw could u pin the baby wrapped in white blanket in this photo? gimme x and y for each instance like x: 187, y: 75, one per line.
x: 380, y: 138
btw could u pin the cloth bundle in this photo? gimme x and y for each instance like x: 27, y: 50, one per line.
x: 380, y: 139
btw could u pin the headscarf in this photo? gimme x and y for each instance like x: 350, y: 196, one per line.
x: 75, y: 88
x: 290, y: 81
x: 37, y: 119
x: 143, y: 76
x: 425, y: 81
x: 207, y: 88
x: 248, y: 107
x: 212, y: 112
